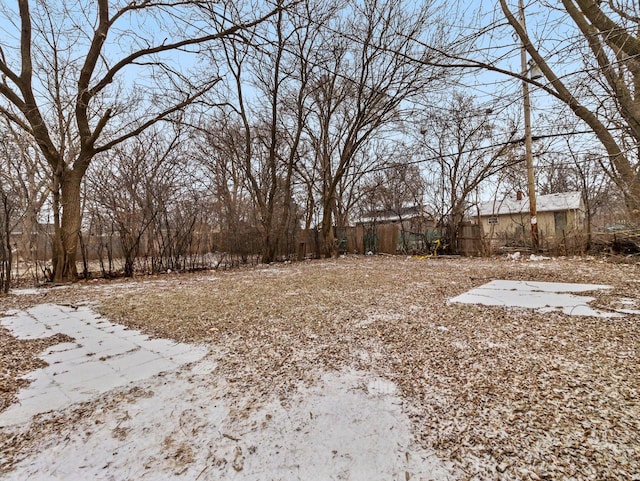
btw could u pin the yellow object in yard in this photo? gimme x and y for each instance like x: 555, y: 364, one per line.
x: 433, y: 253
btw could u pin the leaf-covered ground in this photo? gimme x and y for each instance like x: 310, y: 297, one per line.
x: 504, y: 393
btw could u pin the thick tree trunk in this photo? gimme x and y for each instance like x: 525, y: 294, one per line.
x: 269, y: 237
x: 327, y: 237
x: 268, y: 248
x: 67, y: 229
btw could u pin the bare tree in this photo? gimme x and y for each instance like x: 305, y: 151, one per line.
x: 7, y: 208
x: 272, y: 124
x: 67, y: 83
x: 585, y: 174
x: 604, y: 89
x: 367, y: 80
x: 219, y: 153
x: 469, y: 148
x: 130, y: 187
x: 24, y: 170
x: 394, y: 183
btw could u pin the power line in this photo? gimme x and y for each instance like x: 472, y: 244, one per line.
x: 488, y: 147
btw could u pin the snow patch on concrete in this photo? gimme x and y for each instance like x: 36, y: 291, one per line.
x: 102, y: 356
x: 543, y: 296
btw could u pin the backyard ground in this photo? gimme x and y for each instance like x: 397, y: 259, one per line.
x: 355, y: 368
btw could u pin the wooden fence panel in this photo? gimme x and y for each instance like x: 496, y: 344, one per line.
x: 469, y: 240
x: 388, y: 238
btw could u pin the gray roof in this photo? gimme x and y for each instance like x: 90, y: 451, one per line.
x: 392, y: 215
x: 544, y: 203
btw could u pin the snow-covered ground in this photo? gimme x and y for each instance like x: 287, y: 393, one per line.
x: 182, y: 425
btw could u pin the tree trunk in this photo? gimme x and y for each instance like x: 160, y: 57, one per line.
x: 269, y: 239
x: 5, y: 249
x: 67, y: 229
x: 328, y: 246
x: 455, y: 224
x: 632, y: 199
x: 268, y: 249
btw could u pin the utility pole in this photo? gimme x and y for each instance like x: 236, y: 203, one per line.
x: 528, y: 143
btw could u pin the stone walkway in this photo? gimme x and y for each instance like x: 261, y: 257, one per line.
x: 103, y: 356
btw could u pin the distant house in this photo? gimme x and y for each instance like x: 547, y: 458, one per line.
x: 560, y: 219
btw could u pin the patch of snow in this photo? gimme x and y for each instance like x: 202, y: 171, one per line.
x: 349, y: 425
x: 628, y: 306
x: 378, y: 317
x: 460, y: 345
x: 103, y: 356
x: 26, y: 292
x: 543, y: 296
x: 535, y: 258
x: 627, y: 301
x: 381, y: 387
x: 189, y: 423
x: 537, y: 286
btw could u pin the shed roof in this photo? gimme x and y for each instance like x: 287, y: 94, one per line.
x: 544, y: 203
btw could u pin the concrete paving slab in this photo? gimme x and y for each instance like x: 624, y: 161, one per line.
x: 115, y: 328
x: 84, y: 372
x: 62, y: 347
x: 27, y: 407
x: 28, y: 326
x: 135, y: 337
x: 108, y: 347
x: 149, y: 369
x: 80, y: 391
x: 74, y: 356
x: 533, y: 286
x: 177, y: 352
x: 102, y: 357
x: 543, y: 296
x: 164, y: 345
x: 133, y: 359
x: 186, y: 357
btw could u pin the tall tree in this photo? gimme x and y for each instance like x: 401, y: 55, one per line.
x: 367, y: 81
x: 23, y: 171
x: 128, y: 190
x: 83, y: 77
x: 220, y: 153
x: 603, y: 86
x: 272, y: 122
x: 468, y: 148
